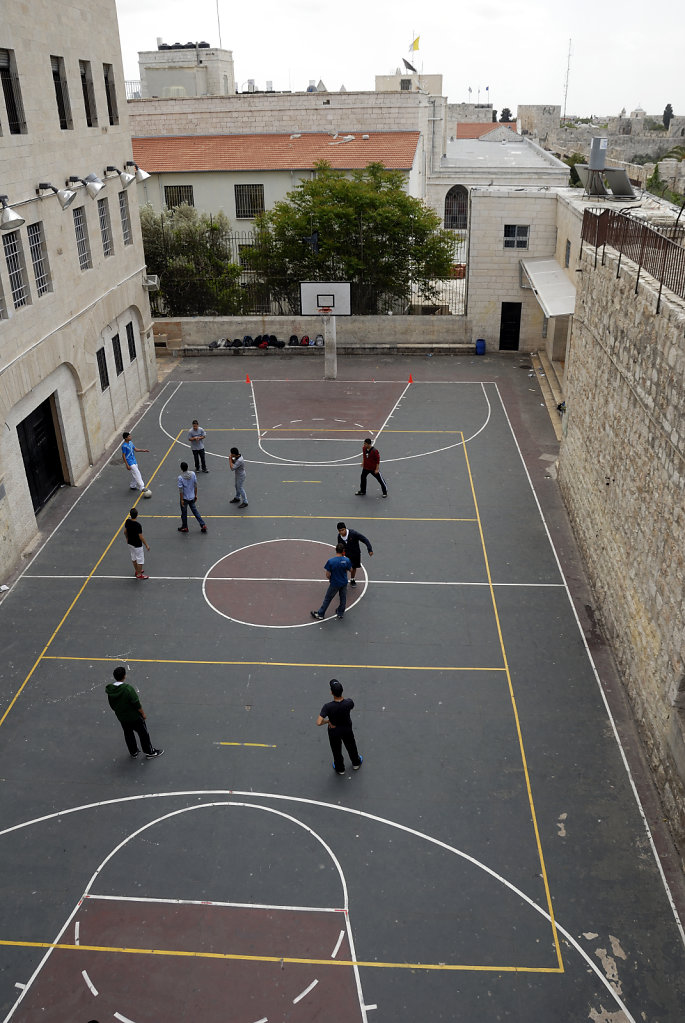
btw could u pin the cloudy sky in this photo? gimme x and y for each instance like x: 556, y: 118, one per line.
x: 622, y: 55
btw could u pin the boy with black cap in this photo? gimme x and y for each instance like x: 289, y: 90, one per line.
x: 336, y: 714
x: 351, y: 540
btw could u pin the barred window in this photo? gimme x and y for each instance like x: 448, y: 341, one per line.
x: 456, y: 207
x: 175, y: 195
x: 567, y: 253
x: 125, y: 218
x: 116, y: 349
x: 3, y: 307
x: 105, y: 227
x: 131, y: 338
x: 9, y: 79
x: 88, y: 93
x: 59, y: 79
x: 82, y: 243
x: 516, y: 236
x: 111, y: 93
x: 39, y: 258
x: 249, y: 201
x: 405, y: 84
x: 102, y: 369
x: 16, y: 269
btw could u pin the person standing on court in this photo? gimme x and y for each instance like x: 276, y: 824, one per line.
x: 336, y: 714
x: 336, y: 570
x: 133, y: 531
x: 128, y: 452
x: 351, y: 540
x: 236, y: 464
x: 196, y: 436
x: 123, y: 699
x: 371, y: 461
x: 187, y: 486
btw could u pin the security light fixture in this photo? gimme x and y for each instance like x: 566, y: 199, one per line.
x: 9, y: 220
x: 141, y: 175
x: 92, y: 183
x: 65, y: 196
x: 124, y: 177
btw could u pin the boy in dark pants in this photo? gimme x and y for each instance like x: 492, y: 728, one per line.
x: 336, y: 570
x: 336, y: 714
x: 371, y: 461
x: 123, y: 699
x: 351, y: 540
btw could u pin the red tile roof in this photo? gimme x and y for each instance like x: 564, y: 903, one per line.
x: 474, y: 130
x: 176, y: 153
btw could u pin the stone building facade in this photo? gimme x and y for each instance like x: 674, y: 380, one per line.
x: 622, y: 475
x: 186, y: 70
x: 76, y: 348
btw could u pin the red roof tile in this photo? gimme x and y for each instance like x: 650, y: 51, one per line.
x: 173, y: 154
x: 474, y: 130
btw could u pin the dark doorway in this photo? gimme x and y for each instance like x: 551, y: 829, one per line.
x: 40, y: 452
x: 510, y: 327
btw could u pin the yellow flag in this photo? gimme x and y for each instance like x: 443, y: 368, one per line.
x: 414, y: 45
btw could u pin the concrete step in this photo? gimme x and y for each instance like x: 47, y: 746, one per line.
x: 552, y: 376
x: 548, y: 391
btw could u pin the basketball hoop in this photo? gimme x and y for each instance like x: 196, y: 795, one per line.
x: 325, y: 311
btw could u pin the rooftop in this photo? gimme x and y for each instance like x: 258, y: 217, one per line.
x: 396, y: 150
x: 481, y: 153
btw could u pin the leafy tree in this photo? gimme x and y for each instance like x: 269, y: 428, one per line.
x: 368, y: 231
x: 571, y: 162
x: 668, y: 115
x: 506, y: 115
x: 191, y: 254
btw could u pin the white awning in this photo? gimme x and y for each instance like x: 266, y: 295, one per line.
x: 553, y: 290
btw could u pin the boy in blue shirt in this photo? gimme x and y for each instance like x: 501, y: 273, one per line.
x: 336, y: 570
x: 187, y: 488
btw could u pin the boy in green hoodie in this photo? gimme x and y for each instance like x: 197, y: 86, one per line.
x: 123, y: 699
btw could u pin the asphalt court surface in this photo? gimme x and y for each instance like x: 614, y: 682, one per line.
x: 488, y: 861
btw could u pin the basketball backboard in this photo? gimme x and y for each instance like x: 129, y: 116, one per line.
x: 330, y: 295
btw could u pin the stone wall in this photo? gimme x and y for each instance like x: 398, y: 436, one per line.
x: 622, y: 475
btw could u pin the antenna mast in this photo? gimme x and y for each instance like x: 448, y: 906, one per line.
x: 568, y: 72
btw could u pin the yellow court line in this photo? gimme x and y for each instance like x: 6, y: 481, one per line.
x: 343, y: 429
x: 274, y: 664
x: 279, y: 959
x: 66, y: 614
x: 517, y: 720
x: 262, y: 745
x: 329, y: 518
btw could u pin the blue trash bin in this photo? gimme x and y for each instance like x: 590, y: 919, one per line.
x: 480, y: 346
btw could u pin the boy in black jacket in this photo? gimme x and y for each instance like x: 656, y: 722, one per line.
x: 351, y: 540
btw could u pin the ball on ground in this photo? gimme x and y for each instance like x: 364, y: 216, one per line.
x: 147, y: 493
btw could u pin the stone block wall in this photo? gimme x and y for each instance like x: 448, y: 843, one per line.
x: 622, y: 476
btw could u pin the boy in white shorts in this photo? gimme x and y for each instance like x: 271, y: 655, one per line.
x: 128, y: 451
x: 133, y: 531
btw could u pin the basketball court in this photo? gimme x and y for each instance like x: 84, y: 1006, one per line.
x: 491, y: 859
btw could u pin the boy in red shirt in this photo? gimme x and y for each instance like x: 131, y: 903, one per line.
x: 371, y: 461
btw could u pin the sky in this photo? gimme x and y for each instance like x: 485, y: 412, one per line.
x: 507, y: 51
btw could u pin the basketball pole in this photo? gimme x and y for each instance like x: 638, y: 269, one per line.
x: 330, y: 360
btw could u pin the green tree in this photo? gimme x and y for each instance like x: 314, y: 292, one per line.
x: 668, y: 115
x: 192, y: 255
x: 369, y: 232
x: 571, y: 162
x: 506, y: 115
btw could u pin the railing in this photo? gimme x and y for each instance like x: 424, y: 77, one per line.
x: 657, y: 251
x: 132, y: 90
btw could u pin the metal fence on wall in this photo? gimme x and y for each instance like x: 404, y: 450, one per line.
x: 657, y: 251
x: 182, y: 294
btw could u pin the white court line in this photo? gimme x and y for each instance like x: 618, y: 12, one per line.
x: 124, y: 1019
x: 290, y: 579
x: 305, y: 992
x: 77, y: 928
x: 19, y: 985
x: 93, y: 989
x: 208, y: 902
x: 363, y: 814
x: 337, y: 944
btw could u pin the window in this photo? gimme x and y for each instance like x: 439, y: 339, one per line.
x: 175, y: 195
x: 16, y: 269
x: 105, y: 227
x: 456, y: 207
x: 110, y: 91
x: 567, y: 254
x: 249, y: 201
x: 102, y: 369
x: 39, y: 258
x: 12, y: 93
x: 516, y: 236
x: 61, y: 92
x: 88, y: 93
x: 3, y: 308
x: 118, y: 361
x: 131, y: 338
x: 125, y: 218
x: 82, y: 244
x: 405, y: 84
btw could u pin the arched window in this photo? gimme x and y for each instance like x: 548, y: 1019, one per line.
x: 456, y: 207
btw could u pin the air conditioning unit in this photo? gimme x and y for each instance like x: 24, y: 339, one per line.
x: 151, y: 282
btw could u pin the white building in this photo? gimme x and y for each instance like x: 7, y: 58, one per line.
x: 76, y: 350
x: 186, y: 69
